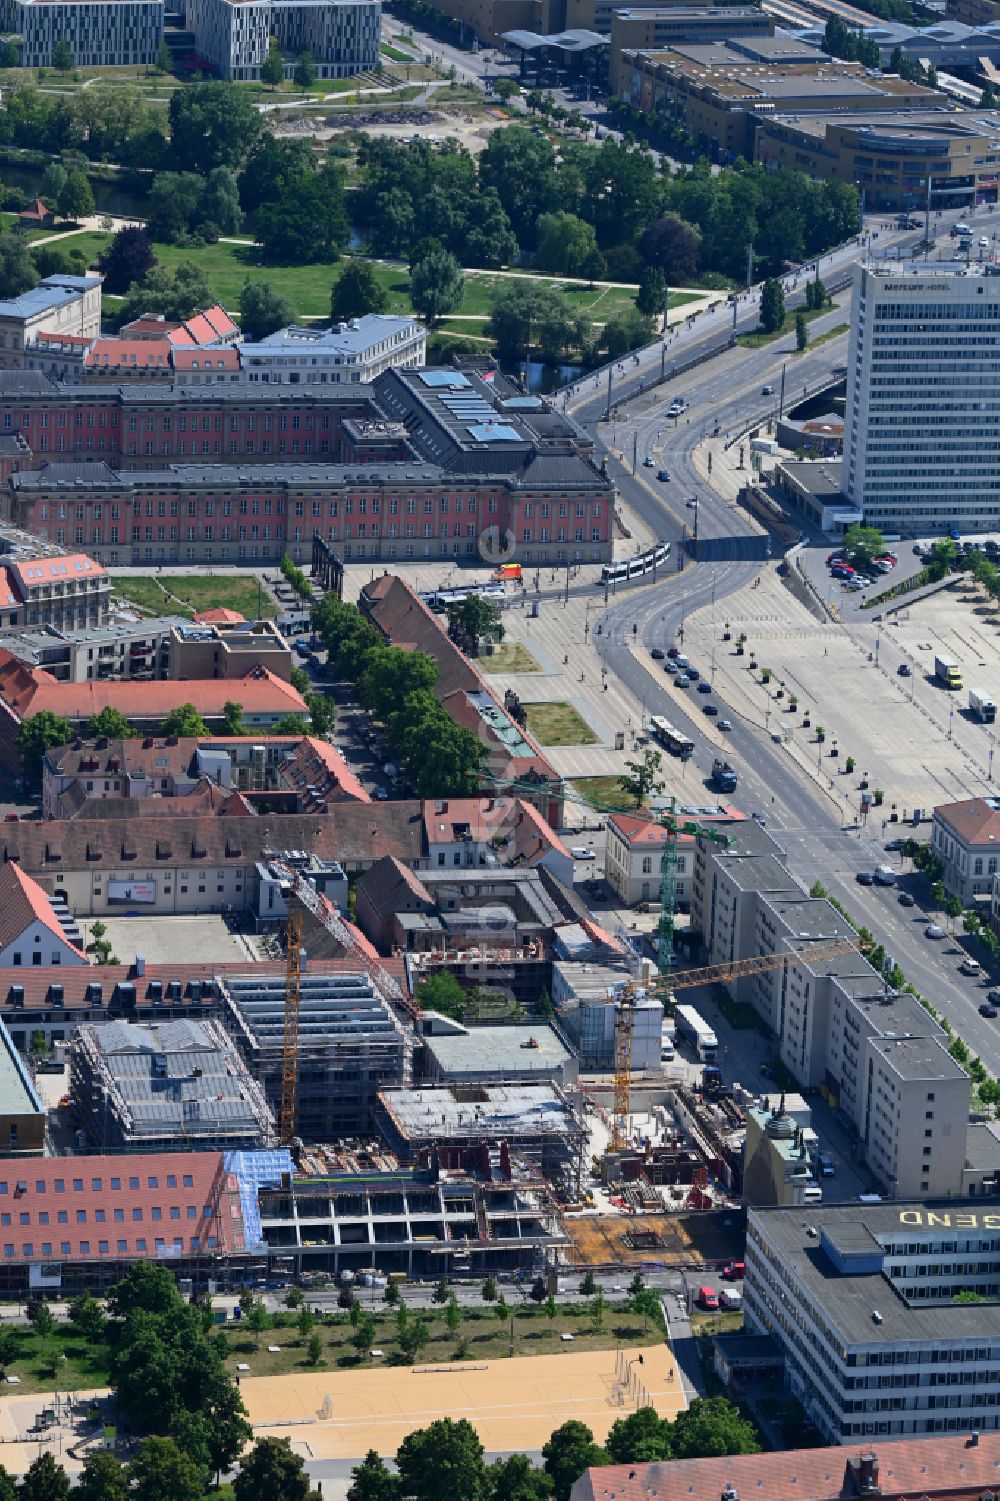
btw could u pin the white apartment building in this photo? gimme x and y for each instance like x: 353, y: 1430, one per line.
x: 101, y: 33
x: 342, y: 35
x: 861, y: 1298
x: 353, y: 353
x: 879, y: 1055
x: 68, y: 305
x: 922, y: 426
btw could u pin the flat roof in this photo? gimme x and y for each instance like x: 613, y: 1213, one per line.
x: 848, y: 1299
x: 494, y: 1050
x: 508, y: 1109
x: 17, y: 1093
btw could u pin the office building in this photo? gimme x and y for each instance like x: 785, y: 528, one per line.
x: 140, y: 1088
x: 234, y: 35
x: 922, y: 430
x: 100, y: 33
x: 878, y: 1055
x: 344, y: 353
x: 458, y: 1055
x: 866, y: 1302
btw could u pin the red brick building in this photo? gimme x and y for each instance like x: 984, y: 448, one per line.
x: 422, y: 464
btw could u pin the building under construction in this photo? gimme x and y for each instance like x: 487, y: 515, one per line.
x: 421, y: 1222
x: 181, y: 1084
x: 494, y: 1131
x: 350, y: 1044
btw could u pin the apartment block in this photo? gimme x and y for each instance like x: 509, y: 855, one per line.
x: 353, y: 353
x: 922, y: 431
x: 876, y: 1054
x: 101, y: 33
x: 342, y: 35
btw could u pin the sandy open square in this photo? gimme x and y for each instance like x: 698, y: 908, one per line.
x: 513, y: 1404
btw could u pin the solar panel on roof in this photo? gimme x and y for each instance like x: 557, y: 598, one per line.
x: 446, y: 378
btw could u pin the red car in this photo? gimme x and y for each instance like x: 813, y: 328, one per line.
x: 673, y: 651
x: 735, y: 1271
x: 708, y: 1299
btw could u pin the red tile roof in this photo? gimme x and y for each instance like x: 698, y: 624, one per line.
x: 149, y: 323
x: 317, y: 764
x: 8, y: 599
x: 91, y: 1208
x: 36, y: 209
x: 221, y: 615
x: 30, y: 691
x: 945, y: 1465
x: 22, y: 902
x: 135, y: 354
x: 31, y: 573
x: 641, y: 830
x: 205, y: 359
x: 975, y: 821
x: 220, y: 321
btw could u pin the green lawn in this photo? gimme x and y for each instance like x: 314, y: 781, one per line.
x: 81, y: 1363
x: 481, y: 1336
x: 758, y: 339
x: 558, y: 724
x: 831, y: 333
x: 173, y: 594
x: 394, y: 54
x: 510, y: 656
x: 602, y: 792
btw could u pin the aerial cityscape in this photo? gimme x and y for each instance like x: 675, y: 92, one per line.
x: 499, y: 662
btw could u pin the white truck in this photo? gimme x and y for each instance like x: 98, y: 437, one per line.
x: 982, y: 706
x: 693, y: 1029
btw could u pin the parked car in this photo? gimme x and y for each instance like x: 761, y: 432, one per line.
x: 990, y: 1012
x: 895, y: 844
x: 734, y: 1271
x: 580, y: 852
x: 708, y: 1299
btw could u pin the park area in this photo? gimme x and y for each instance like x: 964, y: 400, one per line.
x: 558, y: 724
x: 189, y: 594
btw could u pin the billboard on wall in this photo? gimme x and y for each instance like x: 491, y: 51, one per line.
x: 131, y: 891
x: 45, y: 1274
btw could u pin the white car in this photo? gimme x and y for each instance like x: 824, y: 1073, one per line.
x: 580, y: 853
x: 970, y: 966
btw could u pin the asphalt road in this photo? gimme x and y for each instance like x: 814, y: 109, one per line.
x: 807, y: 821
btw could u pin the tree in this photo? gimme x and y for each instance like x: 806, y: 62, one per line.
x: 185, y: 722
x: 365, y: 1330
x: 391, y: 1293
x: 772, y: 306
x: 640, y: 1438
x: 520, y: 167
x: 212, y: 125
x: 516, y: 1479
x: 308, y: 222
x: 128, y: 259
x: 644, y: 777
x: 440, y: 1293
x: 305, y: 1321
x: 219, y: 202
x: 626, y: 331
x: 164, y: 57
x: 674, y: 246
x: 437, y: 285
x: 637, y: 1285
x: 444, y: 1459
x: 953, y: 909
x: 18, y: 272
x: 263, y: 310
x: 257, y: 1318
x: 103, y: 1479
x: 272, y: 69
x: 270, y: 1470
x: 414, y: 1337
x: 47, y: 1481
x: 598, y: 1308
x: 453, y: 1315
x: 710, y: 1427
x: 314, y: 1350
x: 10, y: 55
x: 35, y: 735
x: 568, y: 1453
x: 943, y: 555
x: 161, y: 1471
x: 62, y: 56
x: 441, y: 992
x: 76, y: 199
x: 86, y: 1314
x: 652, y: 290
x: 502, y: 1309
x: 565, y: 244
x: 864, y: 543
x: 987, y: 99
x: 357, y: 291
x: 371, y: 1480
x: 177, y: 294
x: 588, y: 1285
x: 8, y: 1354
x: 290, y: 724
x: 272, y: 165
x: 305, y: 70
x: 52, y: 183
x: 110, y: 724
x: 801, y: 331
x: 232, y: 717
x: 489, y: 1290
x: 472, y: 618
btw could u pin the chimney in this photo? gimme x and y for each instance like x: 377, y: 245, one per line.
x: 868, y: 1474
x: 973, y: 1439
x: 140, y: 966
